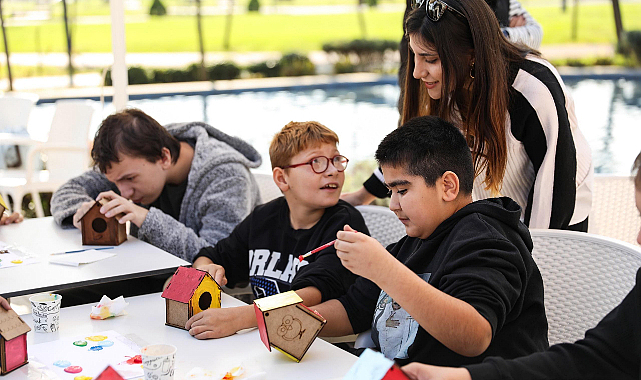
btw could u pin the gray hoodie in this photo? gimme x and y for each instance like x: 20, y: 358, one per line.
x: 220, y: 193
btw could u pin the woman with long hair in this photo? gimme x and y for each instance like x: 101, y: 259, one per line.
x: 511, y: 105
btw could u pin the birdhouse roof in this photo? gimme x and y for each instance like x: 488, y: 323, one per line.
x: 11, y: 325
x: 95, y: 206
x: 278, y: 300
x: 183, y: 284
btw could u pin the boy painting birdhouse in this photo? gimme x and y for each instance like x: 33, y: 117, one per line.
x: 13, y: 341
x: 286, y: 324
x: 97, y: 229
x: 189, y: 292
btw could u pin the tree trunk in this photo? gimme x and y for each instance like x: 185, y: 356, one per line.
x: 6, y: 48
x: 575, y: 19
x: 201, y: 44
x: 361, y: 19
x: 617, y: 20
x: 227, y: 35
x: 68, y: 34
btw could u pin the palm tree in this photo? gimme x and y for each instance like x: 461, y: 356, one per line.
x: 6, y: 48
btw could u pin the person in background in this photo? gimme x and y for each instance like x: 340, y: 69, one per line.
x: 611, y: 350
x: 511, y: 106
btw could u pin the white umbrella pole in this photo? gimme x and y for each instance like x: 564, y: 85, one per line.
x: 119, y: 68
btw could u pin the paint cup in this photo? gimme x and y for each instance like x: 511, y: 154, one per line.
x: 45, y: 309
x: 158, y: 361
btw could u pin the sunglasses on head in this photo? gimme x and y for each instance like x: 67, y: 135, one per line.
x: 435, y: 8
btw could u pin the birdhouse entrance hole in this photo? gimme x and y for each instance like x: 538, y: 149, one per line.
x: 99, y: 225
x: 204, y: 301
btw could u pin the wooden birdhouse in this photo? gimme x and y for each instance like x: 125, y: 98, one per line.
x: 286, y: 324
x: 372, y: 365
x: 13, y: 341
x: 97, y: 229
x: 109, y: 374
x: 189, y: 292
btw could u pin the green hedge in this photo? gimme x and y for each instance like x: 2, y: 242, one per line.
x: 139, y: 75
x: 289, y: 65
x: 360, y: 55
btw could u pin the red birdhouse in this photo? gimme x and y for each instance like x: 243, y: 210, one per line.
x: 189, y: 292
x: 109, y: 374
x: 13, y: 341
x: 373, y: 365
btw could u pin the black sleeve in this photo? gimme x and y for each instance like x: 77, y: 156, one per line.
x: 326, y: 273
x: 375, y: 187
x: 232, y: 253
x: 360, y: 302
x: 487, y: 274
x: 608, y: 351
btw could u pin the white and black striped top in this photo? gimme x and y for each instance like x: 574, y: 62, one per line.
x: 549, y: 164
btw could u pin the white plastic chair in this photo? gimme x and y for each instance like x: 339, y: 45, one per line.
x: 66, y: 154
x: 613, y: 211
x: 267, y: 188
x: 15, y: 110
x: 585, y: 276
x: 382, y: 223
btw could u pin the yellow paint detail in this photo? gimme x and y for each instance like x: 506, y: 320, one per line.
x: 287, y: 354
x: 278, y: 300
x: 16, y: 261
x: 207, y: 285
x: 82, y: 378
x: 96, y: 338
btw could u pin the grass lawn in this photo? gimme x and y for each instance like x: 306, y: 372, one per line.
x: 250, y: 32
x: 253, y: 32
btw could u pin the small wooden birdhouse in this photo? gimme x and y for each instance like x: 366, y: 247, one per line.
x: 109, y: 374
x: 189, y: 292
x: 13, y: 341
x: 373, y: 365
x: 97, y: 229
x: 286, y: 324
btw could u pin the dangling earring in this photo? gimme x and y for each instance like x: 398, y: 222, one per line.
x: 472, y: 73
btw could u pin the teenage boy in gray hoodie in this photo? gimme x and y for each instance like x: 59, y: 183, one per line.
x: 183, y: 187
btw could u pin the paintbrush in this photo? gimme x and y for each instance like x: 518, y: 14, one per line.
x: 301, y: 257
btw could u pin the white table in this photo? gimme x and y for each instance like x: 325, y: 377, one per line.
x: 41, y: 236
x: 145, y: 324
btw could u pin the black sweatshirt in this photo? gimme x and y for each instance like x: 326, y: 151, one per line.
x: 264, y: 250
x: 480, y: 255
x: 611, y: 350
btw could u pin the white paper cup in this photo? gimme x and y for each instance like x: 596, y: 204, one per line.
x: 158, y: 361
x: 45, y: 309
